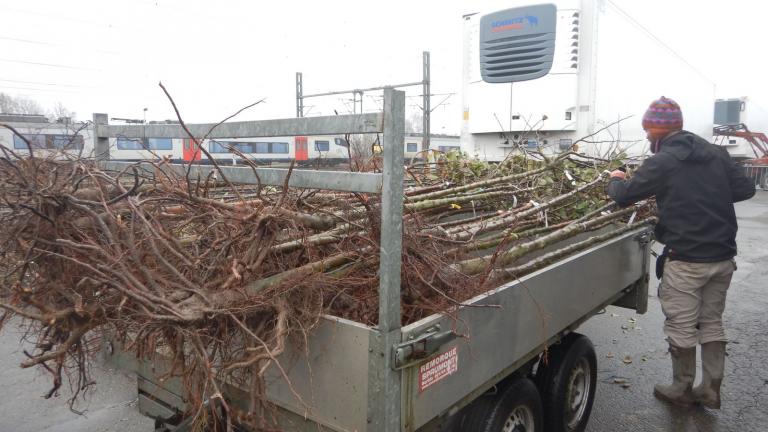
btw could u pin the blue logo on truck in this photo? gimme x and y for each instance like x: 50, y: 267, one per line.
x: 516, y: 23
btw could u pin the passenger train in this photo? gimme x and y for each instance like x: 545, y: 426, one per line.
x: 328, y: 149
x: 306, y: 150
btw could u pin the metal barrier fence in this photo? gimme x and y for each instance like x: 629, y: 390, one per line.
x: 759, y: 173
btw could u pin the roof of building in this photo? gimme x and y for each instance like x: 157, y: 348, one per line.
x: 419, y: 135
x: 23, y: 118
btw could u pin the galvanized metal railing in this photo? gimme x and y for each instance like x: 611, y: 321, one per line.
x: 384, y: 384
x: 759, y: 173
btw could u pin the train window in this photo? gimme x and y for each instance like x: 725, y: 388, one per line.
x: 37, y: 141
x: 60, y: 141
x: 223, y: 147
x: 340, y: 142
x: 217, y: 147
x: 18, y: 143
x: 160, y: 144
x: 124, y: 143
x: 322, y: 146
x: 248, y: 147
x: 67, y: 141
x: 260, y: 147
x: 279, y: 147
x: 531, y: 143
x: 412, y: 147
x: 243, y: 147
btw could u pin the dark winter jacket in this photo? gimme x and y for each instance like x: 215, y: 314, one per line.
x: 695, y: 184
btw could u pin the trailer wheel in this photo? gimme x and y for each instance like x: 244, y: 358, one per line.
x: 516, y: 408
x: 568, y: 384
x: 212, y: 423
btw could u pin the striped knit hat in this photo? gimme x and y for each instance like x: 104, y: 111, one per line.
x: 663, y: 116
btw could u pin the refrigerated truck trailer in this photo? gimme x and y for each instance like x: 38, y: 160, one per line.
x: 601, y: 66
x: 482, y: 367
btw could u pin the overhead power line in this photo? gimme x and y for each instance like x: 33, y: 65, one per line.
x: 52, y: 91
x: 40, y: 83
x: 59, y: 17
x: 47, y: 43
x: 12, y: 39
x: 661, y: 42
x: 60, y: 66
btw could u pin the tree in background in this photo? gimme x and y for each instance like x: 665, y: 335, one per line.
x: 18, y: 105
x: 21, y: 105
x: 59, y: 112
x: 413, y: 123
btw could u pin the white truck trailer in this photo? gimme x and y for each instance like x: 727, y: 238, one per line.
x: 600, y: 66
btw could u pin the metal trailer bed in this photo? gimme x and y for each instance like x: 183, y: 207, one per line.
x: 352, y: 377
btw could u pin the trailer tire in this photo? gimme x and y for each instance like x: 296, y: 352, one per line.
x: 187, y: 423
x: 568, y: 383
x: 517, y: 407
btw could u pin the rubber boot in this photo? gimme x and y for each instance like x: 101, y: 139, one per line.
x: 683, y: 374
x: 712, y: 366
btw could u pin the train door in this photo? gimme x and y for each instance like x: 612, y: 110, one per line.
x: 302, y: 150
x: 189, y: 150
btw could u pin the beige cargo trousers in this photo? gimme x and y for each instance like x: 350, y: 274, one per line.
x: 692, y: 297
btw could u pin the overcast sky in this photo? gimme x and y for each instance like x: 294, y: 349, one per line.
x: 215, y: 57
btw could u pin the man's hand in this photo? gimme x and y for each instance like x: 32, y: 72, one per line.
x: 619, y: 174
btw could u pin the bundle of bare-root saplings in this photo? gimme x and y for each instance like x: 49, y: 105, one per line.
x: 218, y: 278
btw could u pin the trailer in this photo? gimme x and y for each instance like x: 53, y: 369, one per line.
x: 600, y: 72
x: 507, y: 358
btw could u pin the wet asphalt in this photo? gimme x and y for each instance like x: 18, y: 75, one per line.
x: 630, y: 348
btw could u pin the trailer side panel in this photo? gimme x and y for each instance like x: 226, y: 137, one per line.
x: 519, y: 319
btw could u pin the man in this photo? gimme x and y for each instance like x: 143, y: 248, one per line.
x: 695, y: 184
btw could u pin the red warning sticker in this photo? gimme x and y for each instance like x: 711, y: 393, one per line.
x: 438, y: 368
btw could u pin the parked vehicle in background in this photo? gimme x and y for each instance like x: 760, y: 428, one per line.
x: 739, y: 126
x: 590, y: 73
x: 306, y: 150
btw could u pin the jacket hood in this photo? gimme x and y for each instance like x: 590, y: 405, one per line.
x: 686, y: 146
